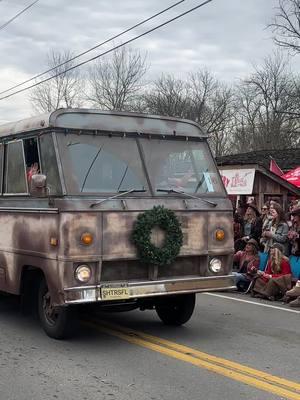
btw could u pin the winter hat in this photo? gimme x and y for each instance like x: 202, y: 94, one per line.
x: 254, y: 243
x: 278, y: 246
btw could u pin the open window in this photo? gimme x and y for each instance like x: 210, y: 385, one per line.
x: 32, y: 159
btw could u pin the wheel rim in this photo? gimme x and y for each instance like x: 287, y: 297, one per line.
x: 50, y: 312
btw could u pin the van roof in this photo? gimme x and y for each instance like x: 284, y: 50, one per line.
x: 113, y: 121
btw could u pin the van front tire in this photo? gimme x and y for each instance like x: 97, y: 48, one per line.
x: 57, y: 322
x: 176, y: 310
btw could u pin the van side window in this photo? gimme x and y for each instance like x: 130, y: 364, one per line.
x: 1, y: 166
x: 49, y: 163
x: 32, y: 159
x: 15, y: 178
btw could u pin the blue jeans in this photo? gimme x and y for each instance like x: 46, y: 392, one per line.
x: 241, y: 281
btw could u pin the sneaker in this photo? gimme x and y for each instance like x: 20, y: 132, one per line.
x: 295, y: 292
x: 295, y: 303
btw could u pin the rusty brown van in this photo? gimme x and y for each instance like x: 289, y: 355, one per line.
x: 117, y: 209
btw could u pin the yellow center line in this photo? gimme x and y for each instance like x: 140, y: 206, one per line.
x: 196, y: 353
x: 250, y: 376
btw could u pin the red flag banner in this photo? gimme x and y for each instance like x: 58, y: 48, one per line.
x: 275, y: 168
x: 293, y: 176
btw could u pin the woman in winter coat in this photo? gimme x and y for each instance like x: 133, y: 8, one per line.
x: 276, y: 231
x: 252, y: 226
x: 276, y: 280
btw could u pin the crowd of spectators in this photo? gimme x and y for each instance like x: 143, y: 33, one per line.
x: 266, y: 243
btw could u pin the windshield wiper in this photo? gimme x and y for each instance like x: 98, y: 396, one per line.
x: 187, y: 194
x: 121, y: 193
x: 89, y: 169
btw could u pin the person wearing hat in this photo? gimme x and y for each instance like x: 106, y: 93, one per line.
x: 277, y: 278
x: 248, y: 262
x: 276, y: 231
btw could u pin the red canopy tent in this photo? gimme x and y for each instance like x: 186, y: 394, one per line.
x: 293, y: 176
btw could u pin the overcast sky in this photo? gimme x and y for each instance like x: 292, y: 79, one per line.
x: 225, y: 36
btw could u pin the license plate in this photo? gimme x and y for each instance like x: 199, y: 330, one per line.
x: 115, y: 292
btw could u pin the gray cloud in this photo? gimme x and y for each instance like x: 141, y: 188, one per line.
x: 225, y: 36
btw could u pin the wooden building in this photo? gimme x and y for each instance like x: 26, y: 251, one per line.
x: 247, y: 176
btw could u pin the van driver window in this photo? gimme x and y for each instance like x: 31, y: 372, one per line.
x: 15, y: 181
x: 31, y: 158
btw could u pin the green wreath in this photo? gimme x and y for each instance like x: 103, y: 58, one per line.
x: 141, y: 236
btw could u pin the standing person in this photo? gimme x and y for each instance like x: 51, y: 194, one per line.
x: 294, y: 233
x: 294, y: 237
x: 252, y: 223
x: 277, y: 230
x: 277, y: 278
x: 248, y: 262
x: 265, y: 215
x: 252, y: 226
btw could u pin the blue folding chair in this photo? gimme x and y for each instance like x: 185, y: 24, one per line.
x: 263, y: 260
x: 295, y: 266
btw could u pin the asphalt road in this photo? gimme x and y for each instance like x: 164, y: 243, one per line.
x: 134, y: 356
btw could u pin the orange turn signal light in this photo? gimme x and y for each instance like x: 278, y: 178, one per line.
x: 86, y: 238
x: 220, y: 234
x: 53, y: 241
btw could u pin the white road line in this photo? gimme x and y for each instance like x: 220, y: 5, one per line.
x: 252, y: 302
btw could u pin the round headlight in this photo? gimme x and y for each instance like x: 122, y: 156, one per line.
x: 220, y: 234
x: 83, y: 273
x: 215, y: 265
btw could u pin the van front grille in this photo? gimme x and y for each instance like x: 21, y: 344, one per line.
x: 124, y: 271
x: 135, y: 270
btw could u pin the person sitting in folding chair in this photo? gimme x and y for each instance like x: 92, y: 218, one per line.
x: 248, y: 261
x: 274, y: 282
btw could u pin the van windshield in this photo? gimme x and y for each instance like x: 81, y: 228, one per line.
x: 93, y: 164
x: 101, y: 164
x: 186, y: 166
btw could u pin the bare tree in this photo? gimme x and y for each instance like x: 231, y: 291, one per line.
x: 201, y: 98
x: 64, y: 90
x: 116, y: 82
x: 286, y: 25
x: 212, y: 108
x: 265, y: 104
x: 169, y: 97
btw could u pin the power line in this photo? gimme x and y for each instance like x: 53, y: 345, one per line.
x: 92, y: 48
x: 108, y: 51
x: 17, y: 15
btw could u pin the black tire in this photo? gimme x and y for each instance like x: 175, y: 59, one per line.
x: 176, y: 310
x: 57, y: 322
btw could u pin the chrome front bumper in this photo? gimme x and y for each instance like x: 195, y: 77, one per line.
x: 90, y: 294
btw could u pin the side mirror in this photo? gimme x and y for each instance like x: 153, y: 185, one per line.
x: 38, y: 185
